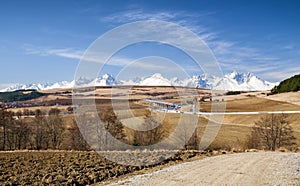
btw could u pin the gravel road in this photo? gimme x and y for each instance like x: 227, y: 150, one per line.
x: 255, y: 168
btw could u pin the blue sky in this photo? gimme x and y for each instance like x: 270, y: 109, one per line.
x: 42, y: 41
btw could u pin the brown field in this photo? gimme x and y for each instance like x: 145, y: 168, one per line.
x: 235, y: 128
x: 50, y: 167
x: 72, y: 167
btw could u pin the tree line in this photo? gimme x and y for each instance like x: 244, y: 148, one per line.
x: 19, y: 95
x: 49, y: 130
x: 289, y: 85
x: 40, y: 130
x: 43, y: 131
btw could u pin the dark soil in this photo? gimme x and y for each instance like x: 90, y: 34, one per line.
x: 68, y: 167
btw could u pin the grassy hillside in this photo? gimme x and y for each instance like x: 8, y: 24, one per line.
x: 20, y: 95
x: 289, y: 85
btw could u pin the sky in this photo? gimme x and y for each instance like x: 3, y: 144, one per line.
x: 43, y: 41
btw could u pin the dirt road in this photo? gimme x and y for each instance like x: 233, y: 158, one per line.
x: 255, y: 168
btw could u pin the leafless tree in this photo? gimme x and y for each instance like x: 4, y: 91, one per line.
x: 77, y: 140
x: 112, y: 125
x: 6, y: 120
x: 40, y: 136
x: 271, y: 132
x: 55, y: 128
x: 152, y: 134
x: 21, y: 132
x: 86, y: 131
x: 187, y: 132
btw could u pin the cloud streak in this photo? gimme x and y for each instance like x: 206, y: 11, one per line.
x: 232, y: 55
x: 78, y: 55
x: 140, y: 15
x: 46, y: 51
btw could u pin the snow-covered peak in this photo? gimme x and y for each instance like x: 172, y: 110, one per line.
x: 58, y: 85
x: 238, y: 77
x: 197, y: 81
x: 233, y: 81
x: 157, y: 76
x: 106, y: 80
x: 232, y: 75
x: 242, y: 81
x: 155, y: 80
x: 80, y: 81
x: 175, y: 81
x: 34, y: 86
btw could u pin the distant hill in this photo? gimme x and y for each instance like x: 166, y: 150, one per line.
x: 20, y: 95
x: 289, y: 85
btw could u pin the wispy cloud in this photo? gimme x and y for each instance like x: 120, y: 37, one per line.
x: 283, y: 73
x: 137, y: 15
x: 46, y: 51
x: 183, y: 18
x: 232, y: 55
x: 79, y: 55
x: 289, y: 47
x: 140, y: 14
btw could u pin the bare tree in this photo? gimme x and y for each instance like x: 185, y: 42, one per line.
x: 40, y: 136
x: 112, y: 125
x: 21, y: 134
x: 77, y: 140
x: 6, y: 120
x: 153, y: 133
x: 10, y: 131
x: 55, y: 128
x: 187, y: 132
x: 271, y: 132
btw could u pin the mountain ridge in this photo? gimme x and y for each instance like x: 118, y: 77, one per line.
x: 233, y: 81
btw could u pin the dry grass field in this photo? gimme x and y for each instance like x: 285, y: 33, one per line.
x: 235, y: 128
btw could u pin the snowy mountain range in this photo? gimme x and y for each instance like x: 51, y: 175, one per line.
x: 233, y: 81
